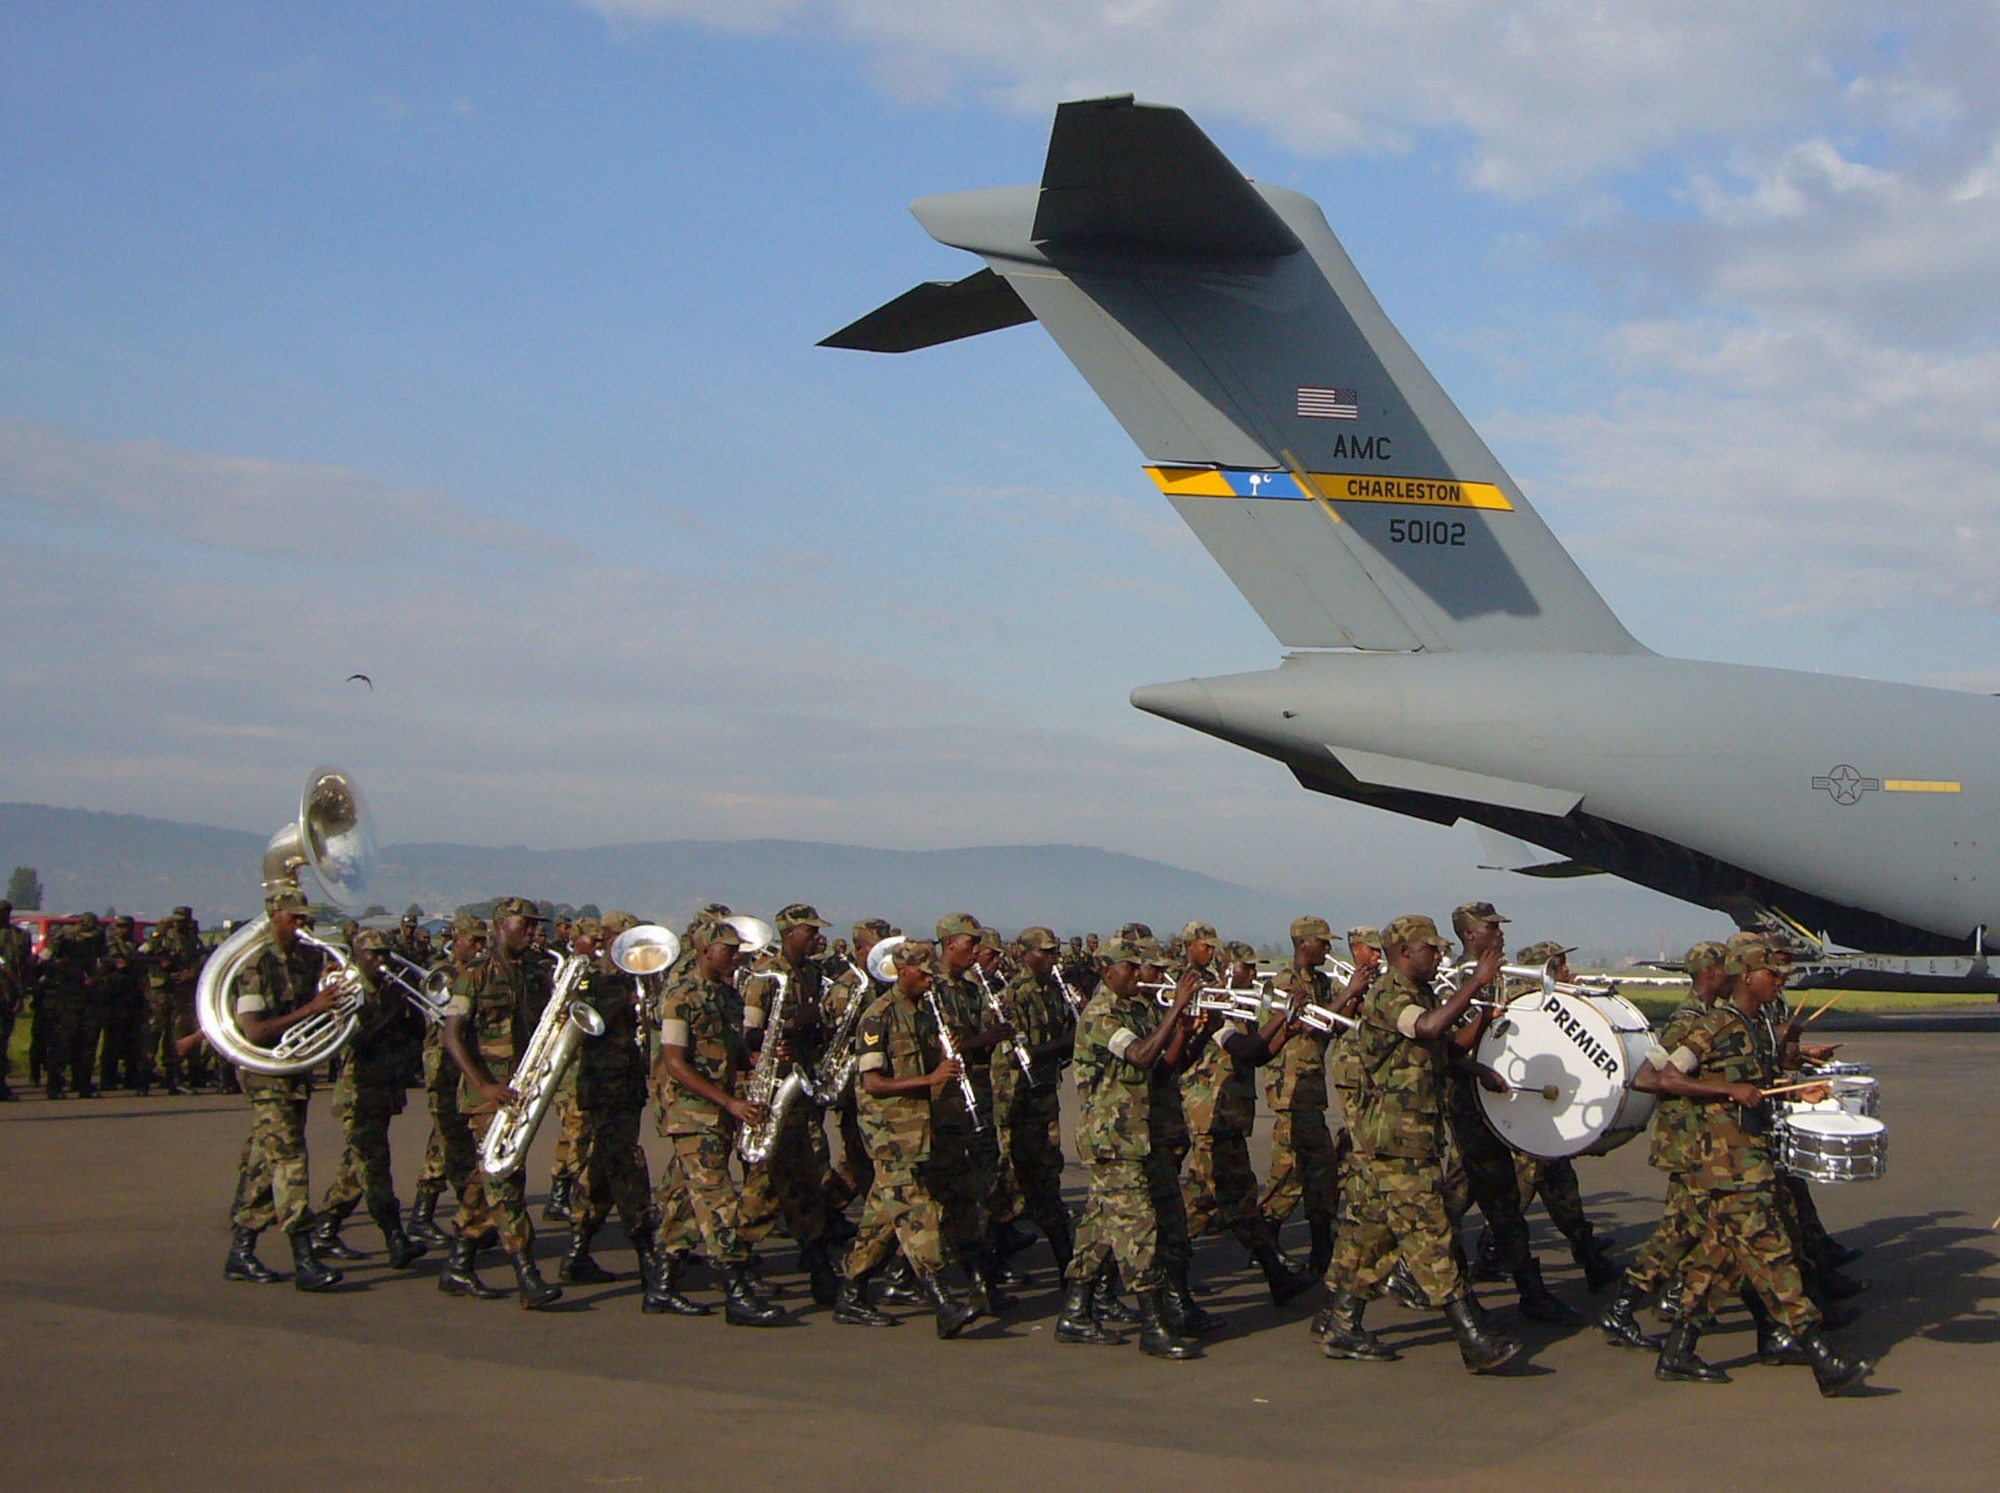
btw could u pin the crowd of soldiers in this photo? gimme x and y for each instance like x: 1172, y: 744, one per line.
x: 942, y: 1071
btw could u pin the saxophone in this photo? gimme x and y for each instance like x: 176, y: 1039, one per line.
x: 774, y: 1092
x: 838, y: 1064
x: 550, y: 1051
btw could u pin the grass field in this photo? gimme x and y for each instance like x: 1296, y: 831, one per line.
x: 1658, y: 1001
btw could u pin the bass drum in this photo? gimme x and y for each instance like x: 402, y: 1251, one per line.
x: 1590, y: 1048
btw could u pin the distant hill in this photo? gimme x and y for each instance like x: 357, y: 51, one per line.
x: 145, y: 866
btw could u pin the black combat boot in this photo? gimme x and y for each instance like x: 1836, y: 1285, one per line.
x: 1403, y: 1286
x: 1620, y: 1323
x: 307, y: 1273
x: 403, y: 1250
x: 1830, y: 1254
x: 663, y: 1289
x: 898, y: 1285
x: 1107, y: 1302
x: 243, y: 1263
x: 1156, y: 1335
x: 326, y: 1240
x: 578, y: 1267
x: 743, y: 1304
x: 1321, y: 1230
x: 1487, y: 1263
x: 1678, y: 1360
x: 1776, y: 1348
x: 952, y: 1313
x: 982, y: 1290
x: 1538, y: 1303
x: 1835, y: 1286
x: 1667, y: 1305
x: 852, y: 1308
x: 1078, y: 1323
x: 1345, y: 1337
x: 1184, y: 1314
x: 556, y: 1209
x: 817, y: 1260
x: 1015, y: 1237
x: 1283, y: 1282
x: 1062, y: 1243
x: 423, y: 1218
x: 1834, y: 1375
x: 1480, y: 1347
x: 536, y: 1293
x: 999, y: 1274
x: 460, y: 1277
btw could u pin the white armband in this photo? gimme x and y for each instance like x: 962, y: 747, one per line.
x: 1657, y: 1056
x: 458, y: 1005
x: 1684, y: 1060
x: 1122, y: 1041
x: 250, y: 1003
x: 1407, y: 1019
x: 673, y: 1033
x: 872, y: 1062
x: 753, y: 1018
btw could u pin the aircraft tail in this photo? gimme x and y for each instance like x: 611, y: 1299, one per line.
x: 1278, y: 409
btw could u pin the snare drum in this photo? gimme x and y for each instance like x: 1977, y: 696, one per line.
x: 1590, y: 1047
x: 1859, y: 1095
x: 1832, y: 1146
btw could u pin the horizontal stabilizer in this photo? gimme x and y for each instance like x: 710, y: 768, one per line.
x: 1120, y: 172
x: 936, y: 311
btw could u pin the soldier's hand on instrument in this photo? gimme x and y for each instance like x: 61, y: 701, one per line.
x: 749, y: 1112
x: 1748, y: 1095
x: 1815, y: 1093
x: 494, y: 1092
x: 1822, y: 1051
x: 1489, y: 1080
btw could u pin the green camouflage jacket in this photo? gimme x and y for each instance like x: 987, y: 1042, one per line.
x: 1677, y: 1123
x: 1401, y: 1098
x: 1733, y: 1149
x: 504, y: 999
x: 1116, y: 1097
x: 705, y: 1017
x: 610, y: 1070
x: 1298, y: 1074
x: 965, y: 1012
x: 277, y: 984
x: 898, y: 1039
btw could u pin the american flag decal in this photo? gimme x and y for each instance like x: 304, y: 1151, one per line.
x: 1329, y: 404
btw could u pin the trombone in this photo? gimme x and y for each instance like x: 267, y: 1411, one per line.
x: 427, y: 990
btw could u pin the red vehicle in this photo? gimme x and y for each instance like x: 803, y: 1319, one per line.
x: 41, y: 924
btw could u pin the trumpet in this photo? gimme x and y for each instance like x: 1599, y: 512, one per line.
x: 1208, y: 998
x: 536, y: 1077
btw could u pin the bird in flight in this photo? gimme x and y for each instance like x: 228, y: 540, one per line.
x: 364, y: 679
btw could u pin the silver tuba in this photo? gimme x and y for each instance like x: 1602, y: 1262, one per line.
x: 536, y: 1077
x: 334, y: 837
x: 646, y: 952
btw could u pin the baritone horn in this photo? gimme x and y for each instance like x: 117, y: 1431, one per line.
x: 333, y: 837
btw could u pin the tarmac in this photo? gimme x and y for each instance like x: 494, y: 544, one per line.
x: 128, y: 1360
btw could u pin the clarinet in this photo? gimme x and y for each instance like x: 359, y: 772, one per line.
x: 950, y: 1050
x: 993, y: 1004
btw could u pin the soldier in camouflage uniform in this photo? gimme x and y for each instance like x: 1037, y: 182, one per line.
x: 965, y: 1149
x: 992, y: 971
x: 901, y: 1071
x: 1677, y: 1128
x: 611, y: 1096
x: 450, y: 1153
x: 412, y: 941
x: 493, y: 1010
x: 1364, y: 950
x: 849, y: 987
x: 1486, y: 1173
x: 122, y: 994
x: 16, y: 973
x: 276, y: 991
x: 69, y: 974
x: 1305, y: 1162
x: 1723, y: 1062
x: 369, y: 1094
x: 1219, y: 1093
x: 1029, y: 1105
x: 705, y: 1049
x: 1127, y: 1050
x: 174, y: 957
x: 790, y: 1182
x: 1396, y: 1198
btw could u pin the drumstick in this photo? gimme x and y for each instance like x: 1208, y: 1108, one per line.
x: 1786, y: 1088
x: 1548, y: 1091
x: 1823, y: 1009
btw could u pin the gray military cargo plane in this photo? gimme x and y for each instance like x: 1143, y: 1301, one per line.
x: 1441, y: 641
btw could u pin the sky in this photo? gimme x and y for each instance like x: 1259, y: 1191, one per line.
x: 468, y: 344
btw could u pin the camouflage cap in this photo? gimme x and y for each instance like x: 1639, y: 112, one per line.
x: 1199, y: 932
x: 916, y: 953
x: 1476, y: 912
x: 724, y: 933
x: 369, y: 938
x: 800, y: 915
x: 409, y: 917
x: 1132, y: 951
x: 1367, y: 937
x: 875, y: 927
x: 286, y: 899
x: 467, y: 922
x: 1543, y: 952
x: 1038, y: 938
x: 1756, y: 953
x: 123, y: 920
x: 1413, y: 928
x: 617, y: 921
x: 989, y: 938
x: 1238, y: 952
x: 1310, y: 926
x: 1704, y: 955
x: 183, y: 911
x: 1132, y: 931
x: 586, y: 928
x: 517, y: 907
x: 952, y: 924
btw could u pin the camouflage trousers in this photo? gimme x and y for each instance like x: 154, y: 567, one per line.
x: 854, y: 1175
x: 899, y: 1211
x: 697, y: 1200
x: 1133, y: 1215
x: 450, y: 1155
x: 1220, y: 1188
x: 1555, y: 1182
x: 1674, y: 1237
x: 493, y: 1202
x: 60, y: 1018
x: 959, y: 1176
x: 611, y: 1171
x: 1397, y: 1209
x: 364, y: 1159
x: 272, y: 1186
x: 157, y: 1054
x: 1745, y: 1243
x: 124, y: 1038
x: 788, y: 1184
x: 1305, y: 1167
x: 569, y: 1128
x: 1801, y: 1213
x: 1034, y: 1152
x: 1493, y: 1185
